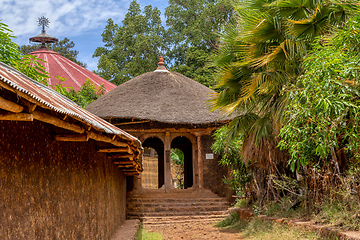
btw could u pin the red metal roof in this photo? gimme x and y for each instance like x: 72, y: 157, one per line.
x: 75, y: 74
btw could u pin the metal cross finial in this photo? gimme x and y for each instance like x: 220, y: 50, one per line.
x: 44, y: 22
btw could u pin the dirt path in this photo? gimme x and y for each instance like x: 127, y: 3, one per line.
x: 194, y: 230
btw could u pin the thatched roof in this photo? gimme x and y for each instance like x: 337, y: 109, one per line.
x: 161, y: 96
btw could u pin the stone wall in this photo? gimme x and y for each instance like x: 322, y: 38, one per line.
x: 213, y: 172
x: 56, y: 190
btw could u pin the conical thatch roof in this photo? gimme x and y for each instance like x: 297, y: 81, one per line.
x: 161, y: 96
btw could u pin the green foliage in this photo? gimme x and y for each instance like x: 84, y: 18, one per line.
x: 133, y: 48
x: 177, y: 156
x: 323, y: 116
x: 63, y: 47
x: 259, y: 63
x: 193, y: 28
x: 143, y: 234
x: 230, y: 151
x: 177, y: 160
x: 9, y: 53
x: 87, y: 93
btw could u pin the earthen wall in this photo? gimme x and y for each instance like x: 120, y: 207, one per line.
x: 56, y: 190
x: 213, y: 172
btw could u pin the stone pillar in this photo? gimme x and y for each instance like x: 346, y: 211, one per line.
x: 167, y: 164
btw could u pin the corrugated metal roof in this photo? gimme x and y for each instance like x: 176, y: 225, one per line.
x: 75, y: 74
x: 48, y: 98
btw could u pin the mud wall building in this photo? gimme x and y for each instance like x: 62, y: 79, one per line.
x: 61, y: 168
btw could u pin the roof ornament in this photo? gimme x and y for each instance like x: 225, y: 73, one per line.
x: 44, y: 22
x: 43, y: 37
x: 161, y: 65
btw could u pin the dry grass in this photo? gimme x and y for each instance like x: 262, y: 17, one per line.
x: 263, y: 230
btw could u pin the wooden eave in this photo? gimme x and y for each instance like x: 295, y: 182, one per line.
x: 25, y: 108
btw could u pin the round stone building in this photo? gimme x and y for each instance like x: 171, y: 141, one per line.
x: 166, y: 110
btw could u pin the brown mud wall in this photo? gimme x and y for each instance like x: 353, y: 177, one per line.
x: 56, y: 190
x: 213, y: 172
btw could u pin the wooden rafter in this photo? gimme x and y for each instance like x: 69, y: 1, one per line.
x: 72, y: 137
x: 10, y: 106
x: 17, y: 117
x: 43, y: 117
x: 116, y: 150
x: 123, y: 162
x: 119, y: 155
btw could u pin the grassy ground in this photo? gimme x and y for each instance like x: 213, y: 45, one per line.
x: 144, y: 234
x: 258, y: 229
x: 344, y: 215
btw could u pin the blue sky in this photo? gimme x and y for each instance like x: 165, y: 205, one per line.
x: 82, y: 21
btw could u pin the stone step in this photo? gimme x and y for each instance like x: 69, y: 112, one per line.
x: 141, y: 215
x: 172, y: 200
x: 151, y: 221
x: 178, y: 204
x: 175, y: 208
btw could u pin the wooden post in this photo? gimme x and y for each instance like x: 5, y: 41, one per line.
x: 200, y: 161
x: 195, y: 165
x: 167, y: 164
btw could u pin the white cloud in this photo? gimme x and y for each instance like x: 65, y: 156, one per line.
x: 82, y: 21
x: 67, y: 18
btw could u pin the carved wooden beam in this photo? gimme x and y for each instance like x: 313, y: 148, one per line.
x: 10, y: 106
x: 17, y: 117
x: 72, y: 137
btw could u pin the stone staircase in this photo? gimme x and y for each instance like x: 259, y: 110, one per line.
x: 179, y: 207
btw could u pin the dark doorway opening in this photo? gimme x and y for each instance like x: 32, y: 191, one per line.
x: 184, y: 144
x: 156, y: 144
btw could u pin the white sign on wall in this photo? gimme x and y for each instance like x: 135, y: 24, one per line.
x: 209, y: 156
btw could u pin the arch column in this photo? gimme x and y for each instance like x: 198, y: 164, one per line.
x: 199, y: 176
x: 167, y: 164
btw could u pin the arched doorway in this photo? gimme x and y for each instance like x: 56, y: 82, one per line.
x: 152, y: 145
x: 184, y: 144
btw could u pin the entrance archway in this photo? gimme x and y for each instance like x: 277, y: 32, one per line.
x: 185, y: 145
x: 156, y: 144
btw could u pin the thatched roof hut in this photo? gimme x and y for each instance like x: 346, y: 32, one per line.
x: 172, y: 111
x: 164, y: 97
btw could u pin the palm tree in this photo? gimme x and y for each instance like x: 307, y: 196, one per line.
x: 259, y: 61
